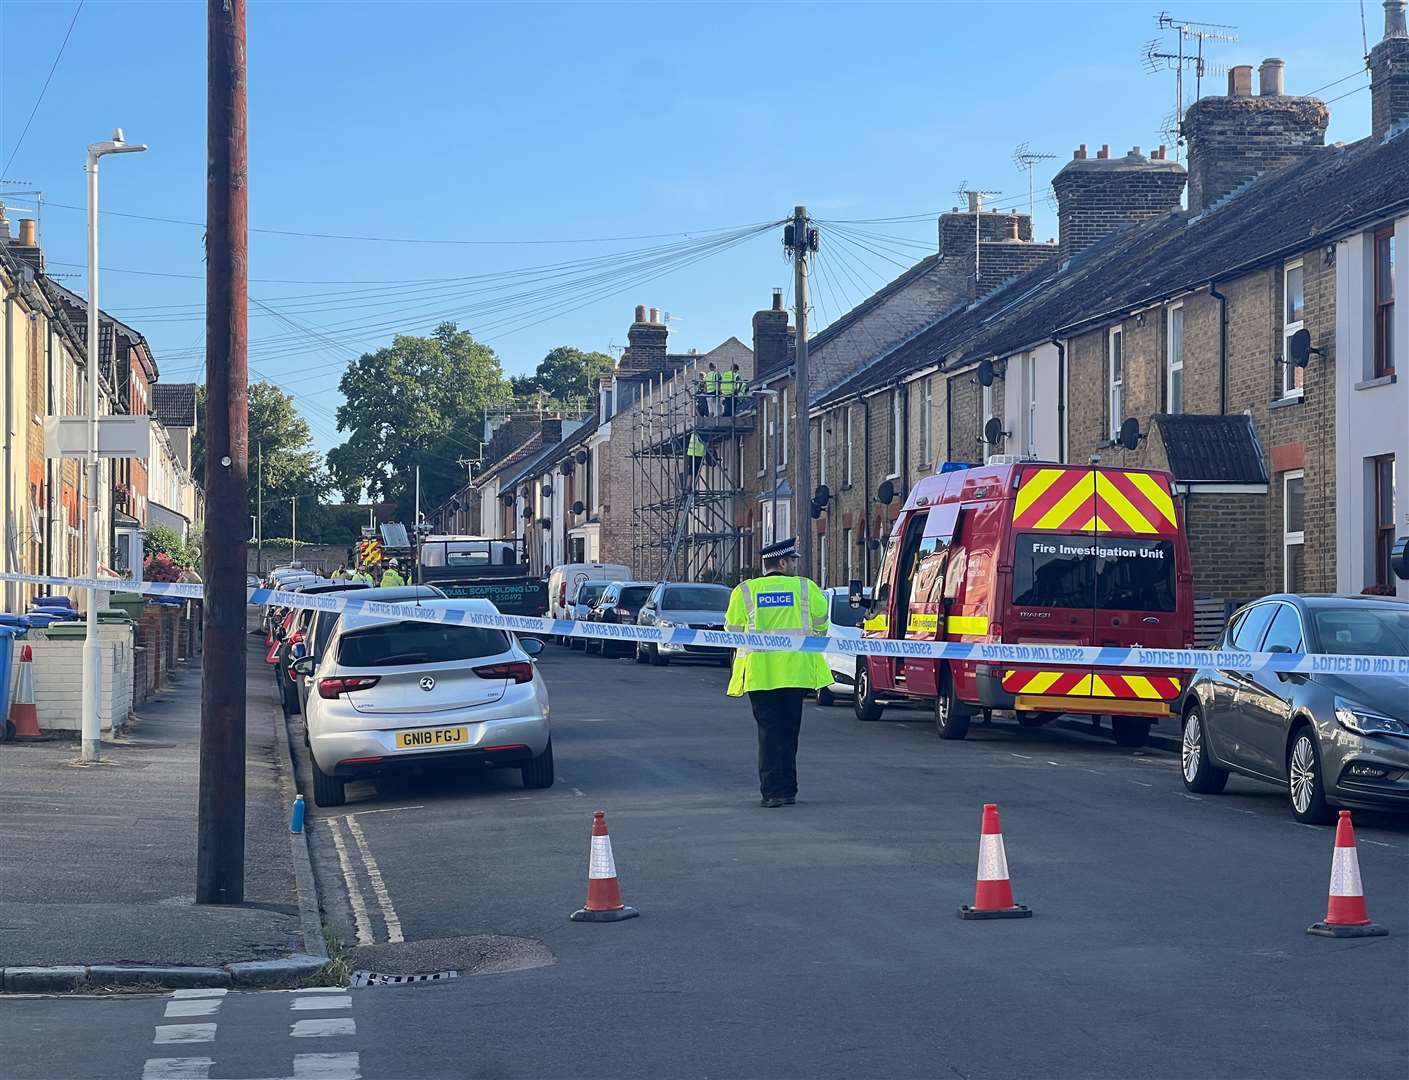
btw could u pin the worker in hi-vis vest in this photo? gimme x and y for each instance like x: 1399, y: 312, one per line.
x: 776, y: 682
x: 711, y: 389
x: 392, y: 578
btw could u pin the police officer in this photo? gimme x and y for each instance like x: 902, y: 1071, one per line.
x: 775, y: 682
x: 364, y: 573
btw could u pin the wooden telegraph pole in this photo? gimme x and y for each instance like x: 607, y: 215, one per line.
x: 220, y: 827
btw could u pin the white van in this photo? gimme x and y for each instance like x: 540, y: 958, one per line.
x: 564, y: 580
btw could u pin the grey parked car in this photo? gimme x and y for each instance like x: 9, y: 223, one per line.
x: 672, y: 604
x: 1330, y: 740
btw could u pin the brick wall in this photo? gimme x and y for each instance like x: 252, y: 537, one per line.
x: 1227, y: 537
x: 1098, y: 196
x: 58, y: 680
x: 1006, y: 259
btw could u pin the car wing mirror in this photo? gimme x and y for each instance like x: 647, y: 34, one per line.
x: 855, y: 592
x: 304, y: 665
x: 533, y: 646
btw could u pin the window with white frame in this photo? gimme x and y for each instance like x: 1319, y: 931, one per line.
x: 783, y: 415
x: 1293, y: 531
x: 1115, y: 378
x: 846, y: 437
x: 1030, y: 367
x: 765, y: 450
x: 896, y: 449
x: 1174, y: 365
x: 1293, y: 318
x: 927, y: 421
x: 822, y: 432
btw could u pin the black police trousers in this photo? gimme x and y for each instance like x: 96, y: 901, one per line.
x: 778, y: 714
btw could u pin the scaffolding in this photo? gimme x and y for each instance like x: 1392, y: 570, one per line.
x: 690, y: 518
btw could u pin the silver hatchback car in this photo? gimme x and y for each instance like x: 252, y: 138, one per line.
x: 388, y: 693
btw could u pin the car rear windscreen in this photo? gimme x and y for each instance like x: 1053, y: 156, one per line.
x: 1363, y: 630
x: 1061, y: 570
x: 696, y: 599
x: 418, y: 643
x: 634, y: 596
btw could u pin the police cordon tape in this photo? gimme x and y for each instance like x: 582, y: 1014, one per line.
x: 981, y: 652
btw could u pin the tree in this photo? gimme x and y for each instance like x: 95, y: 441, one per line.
x: 291, y: 465
x: 418, y: 401
x: 564, y: 374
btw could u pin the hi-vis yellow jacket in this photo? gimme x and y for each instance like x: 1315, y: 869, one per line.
x: 771, y: 603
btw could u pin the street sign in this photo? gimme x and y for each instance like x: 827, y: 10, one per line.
x: 118, y: 436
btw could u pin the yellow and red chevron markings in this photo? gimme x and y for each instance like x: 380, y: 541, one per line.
x: 1095, y: 500
x: 1103, y: 684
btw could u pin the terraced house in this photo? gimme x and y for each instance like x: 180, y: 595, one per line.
x: 1252, y: 337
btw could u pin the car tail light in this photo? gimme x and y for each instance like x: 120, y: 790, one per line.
x: 331, y: 688
x: 360, y: 761
x: 520, y: 671
x: 624, y: 612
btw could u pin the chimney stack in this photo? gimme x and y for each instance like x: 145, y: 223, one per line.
x: 1235, y: 139
x: 26, y: 248
x: 772, y: 338
x: 645, y: 348
x: 1101, y: 195
x: 1389, y: 73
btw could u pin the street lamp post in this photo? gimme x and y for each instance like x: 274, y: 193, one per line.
x: 92, y: 653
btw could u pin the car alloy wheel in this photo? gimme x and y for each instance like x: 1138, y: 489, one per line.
x: 1191, y: 746
x: 1303, y: 774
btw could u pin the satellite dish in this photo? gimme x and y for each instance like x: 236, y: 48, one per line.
x: 816, y: 510
x: 582, y: 457
x: 507, y: 498
x: 822, y: 495
x: 993, y: 431
x: 578, y: 507
x: 1399, y: 558
x: 1129, y: 436
x: 565, y: 468
x: 547, y: 490
x: 985, y: 372
x: 527, y: 513
x: 885, y: 493
x: 1300, y: 347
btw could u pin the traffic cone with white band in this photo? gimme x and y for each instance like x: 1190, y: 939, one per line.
x: 603, y: 894
x: 1346, y: 914
x: 23, y: 715
x: 993, y: 895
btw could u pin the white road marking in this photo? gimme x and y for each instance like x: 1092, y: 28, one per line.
x: 192, y: 1007
x: 1191, y: 798
x: 184, y: 1033
x: 315, y: 990
x: 374, y: 874
x: 1025, y: 757
x: 323, y: 1028
x: 1142, y: 783
x: 354, y: 894
x: 341, y: 1001
x: 385, y: 810
x: 1377, y: 843
x: 327, y: 1066
x: 1056, y: 763
x: 189, y: 1068
x: 213, y: 991
x: 903, y: 725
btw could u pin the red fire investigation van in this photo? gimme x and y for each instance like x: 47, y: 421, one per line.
x: 1033, y: 553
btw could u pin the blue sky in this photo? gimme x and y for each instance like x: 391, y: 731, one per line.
x: 546, y: 122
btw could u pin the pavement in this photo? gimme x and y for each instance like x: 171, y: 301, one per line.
x: 99, y: 863
x: 1169, y: 936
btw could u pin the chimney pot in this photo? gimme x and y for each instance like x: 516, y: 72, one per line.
x: 1080, y: 154
x: 1104, y: 152
x: 1135, y: 152
x: 655, y: 316
x: 1240, y: 80
x: 1014, y: 229
x: 640, y: 312
x: 27, y: 233
x: 1163, y: 151
x: 777, y: 299
x: 1269, y: 77
x: 1394, y: 19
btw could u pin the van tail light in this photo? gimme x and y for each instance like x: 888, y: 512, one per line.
x: 562, y: 593
x: 520, y: 671
x: 334, y: 687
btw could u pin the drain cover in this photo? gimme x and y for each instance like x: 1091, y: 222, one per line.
x: 377, y: 978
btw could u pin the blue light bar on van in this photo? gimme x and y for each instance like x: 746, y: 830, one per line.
x: 953, y: 466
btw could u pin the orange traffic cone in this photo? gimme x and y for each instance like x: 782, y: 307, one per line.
x: 23, y: 715
x: 603, y: 895
x: 993, y: 895
x: 1346, y: 915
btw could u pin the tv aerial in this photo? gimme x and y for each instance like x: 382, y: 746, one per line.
x: 1025, y: 157
x: 1188, y: 51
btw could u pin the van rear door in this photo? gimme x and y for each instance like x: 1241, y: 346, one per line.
x: 1094, y: 563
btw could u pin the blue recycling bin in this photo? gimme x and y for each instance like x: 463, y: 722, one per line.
x: 42, y: 620
x: 52, y: 602
x: 21, y: 622
x: 7, y: 648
